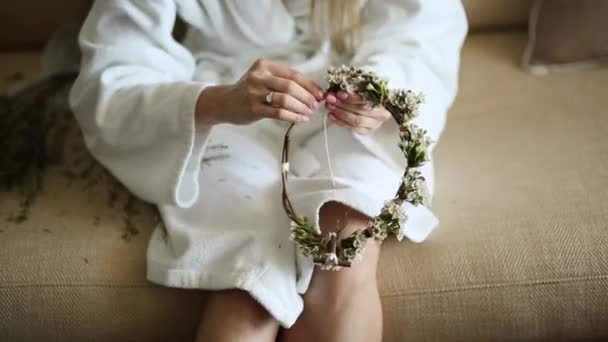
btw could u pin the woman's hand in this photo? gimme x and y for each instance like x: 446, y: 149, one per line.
x: 352, y: 111
x: 295, y: 97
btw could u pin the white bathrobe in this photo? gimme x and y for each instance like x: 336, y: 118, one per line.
x: 218, y: 188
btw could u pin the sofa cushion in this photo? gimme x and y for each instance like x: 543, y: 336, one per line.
x: 567, y: 35
x: 521, y: 176
x: 497, y: 14
x: 520, y: 254
x: 16, y: 17
x: 27, y: 23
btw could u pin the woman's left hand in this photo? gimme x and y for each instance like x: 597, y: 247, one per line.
x: 352, y: 111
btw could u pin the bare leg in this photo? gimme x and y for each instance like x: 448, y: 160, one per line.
x: 344, y: 305
x: 233, y: 316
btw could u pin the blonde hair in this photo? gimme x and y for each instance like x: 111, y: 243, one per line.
x: 338, y: 19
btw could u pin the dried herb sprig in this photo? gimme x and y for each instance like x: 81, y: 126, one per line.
x: 35, y: 122
x: 29, y: 137
x: 328, y: 251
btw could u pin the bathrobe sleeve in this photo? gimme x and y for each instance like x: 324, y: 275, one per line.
x: 415, y: 44
x: 135, y: 100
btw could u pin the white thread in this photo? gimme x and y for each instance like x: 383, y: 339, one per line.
x: 331, y: 171
x: 331, y: 260
x: 285, y: 167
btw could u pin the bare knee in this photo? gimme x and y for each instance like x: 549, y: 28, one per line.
x: 233, y: 315
x: 334, y: 217
x: 339, y: 288
x: 245, y: 305
x: 335, y: 301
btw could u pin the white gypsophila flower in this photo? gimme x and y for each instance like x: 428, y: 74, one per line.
x: 347, y: 87
x: 401, y: 218
x: 352, y: 247
x: 351, y: 79
x: 422, y: 192
x: 379, y: 230
x: 308, y: 250
x: 414, y: 143
x: 354, y: 257
x: 396, y: 212
x: 407, y: 102
x: 392, y: 218
x: 414, y: 188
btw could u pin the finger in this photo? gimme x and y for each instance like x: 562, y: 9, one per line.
x: 354, y: 120
x: 338, y: 121
x: 283, y: 71
x: 331, y: 98
x: 290, y: 103
x: 292, y: 88
x: 353, y: 99
x: 357, y: 110
x: 341, y: 123
x: 347, y: 99
x: 377, y: 113
x: 273, y: 112
x: 363, y: 130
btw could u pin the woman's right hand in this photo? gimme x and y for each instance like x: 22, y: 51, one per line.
x: 295, y: 97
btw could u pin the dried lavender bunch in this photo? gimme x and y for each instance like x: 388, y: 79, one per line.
x: 39, y: 132
x: 31, y: 137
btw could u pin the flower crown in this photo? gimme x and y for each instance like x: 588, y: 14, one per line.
x: 325, y: 249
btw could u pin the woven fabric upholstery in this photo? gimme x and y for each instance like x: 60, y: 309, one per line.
x: 521, y: 253
x: 497, y: 14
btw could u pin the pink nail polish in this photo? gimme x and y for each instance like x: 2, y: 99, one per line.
x: 331, y: 99
x: 331, y: 107
x: 343, y: 95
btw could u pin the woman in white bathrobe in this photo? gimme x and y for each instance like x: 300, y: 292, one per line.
x: 185, y: 125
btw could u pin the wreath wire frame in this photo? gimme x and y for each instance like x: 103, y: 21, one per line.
x: 326, y: 250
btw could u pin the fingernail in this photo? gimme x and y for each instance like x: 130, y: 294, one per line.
x: 309, y: 111
x: 320, y: 95
x: 332, y: 117
x: 331, y: 107
x: 315, y: 105
x: 331, y: 99
x: 342, y: 95
x: 304, y: 119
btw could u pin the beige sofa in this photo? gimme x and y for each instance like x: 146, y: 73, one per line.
x: 522, y: 194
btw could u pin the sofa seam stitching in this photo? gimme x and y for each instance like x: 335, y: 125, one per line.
x: 404, y: 294
x: 527, y: 283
